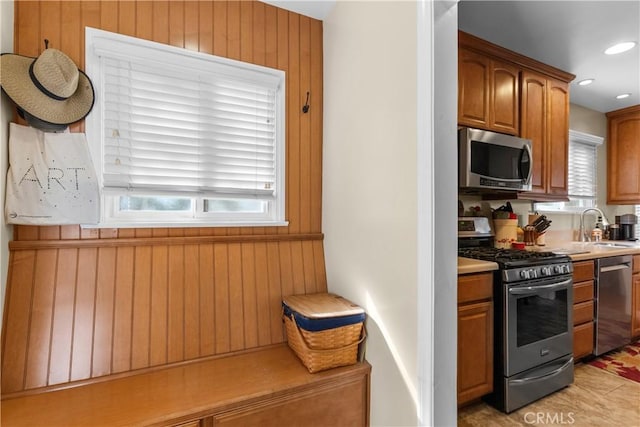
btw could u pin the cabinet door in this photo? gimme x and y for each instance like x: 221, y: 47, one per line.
x: 504, y: 102
x: 582, y: 340
x: 582, y: 291
x: 558, y: 137
x: 533, y: 124
x: 583, y: 312
x: 623, y: 157
x: 583, y: 271
x: 333, y: 405
x: 487, y: 93
x: 475, y: 351
x: 545, y: 121
x: 473, y: 89
x: 635, y: 306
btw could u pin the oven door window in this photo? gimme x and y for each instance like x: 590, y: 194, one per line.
x: 499, y: 161
x: 540, y: 316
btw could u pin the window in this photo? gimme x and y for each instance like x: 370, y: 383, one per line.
x: 183, y: 138
x: 582, y: 177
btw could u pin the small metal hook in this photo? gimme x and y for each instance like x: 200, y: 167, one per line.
x: 46, y: 43
x: 305, y: 107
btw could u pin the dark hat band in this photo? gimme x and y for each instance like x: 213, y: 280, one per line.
x: 39, y: 85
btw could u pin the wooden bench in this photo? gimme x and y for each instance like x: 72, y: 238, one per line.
x: 268, y: 386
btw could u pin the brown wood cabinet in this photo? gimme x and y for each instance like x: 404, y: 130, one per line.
x: 475, y: 336
x: 583, y: 308
x: 503, y: 91
x: 635, y: 295
x: 487, y: 93
x: 623, y: 156
x: 544, y: 120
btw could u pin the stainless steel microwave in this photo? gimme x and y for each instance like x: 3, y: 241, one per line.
x: 490, y: 160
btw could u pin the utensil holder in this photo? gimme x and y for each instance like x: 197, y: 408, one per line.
x: 506, y: 232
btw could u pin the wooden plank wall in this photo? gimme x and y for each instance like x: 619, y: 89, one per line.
x: 85, y: 303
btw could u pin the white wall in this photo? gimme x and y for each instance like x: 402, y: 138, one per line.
x: 6, y: 114
x: 445, y: 227
x: 369, y: 188
x: 389, y: 196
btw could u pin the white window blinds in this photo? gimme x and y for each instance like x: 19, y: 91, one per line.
x: 582, y: 175
x: 582, y: 169
x: 178, y: 122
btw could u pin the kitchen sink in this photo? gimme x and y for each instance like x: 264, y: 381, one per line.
x: 586, y: 247
x: 617, y: 245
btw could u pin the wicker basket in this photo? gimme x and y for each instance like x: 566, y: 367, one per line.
x: 327, y: 349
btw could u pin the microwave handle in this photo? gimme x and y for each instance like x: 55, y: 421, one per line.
x: 530, y: 171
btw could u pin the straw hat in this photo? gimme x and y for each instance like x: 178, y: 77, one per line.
x: 49, y: 87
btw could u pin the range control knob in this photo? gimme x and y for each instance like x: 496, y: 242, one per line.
x: 557, y: 269
x: 524, y: 274
x: 545, y: 271
x: 533, y: 273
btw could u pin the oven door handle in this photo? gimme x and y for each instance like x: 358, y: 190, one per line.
x: 533, y: 289
x: 541, y: 377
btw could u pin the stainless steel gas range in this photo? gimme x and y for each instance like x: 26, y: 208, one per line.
x: 533, y: 299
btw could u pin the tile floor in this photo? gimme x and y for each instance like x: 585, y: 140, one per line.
x: 596, y: 399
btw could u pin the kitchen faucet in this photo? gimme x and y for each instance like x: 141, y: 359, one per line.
x: 583, y: 237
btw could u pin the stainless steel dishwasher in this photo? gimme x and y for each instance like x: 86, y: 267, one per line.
x: 613, y: 303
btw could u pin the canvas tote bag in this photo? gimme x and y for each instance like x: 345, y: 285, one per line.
x: 51, y: 179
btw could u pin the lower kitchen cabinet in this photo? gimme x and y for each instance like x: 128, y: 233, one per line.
x: 635, y: 293
x: 582, y: 340
x: 475, y: 336
x: 583, y: 308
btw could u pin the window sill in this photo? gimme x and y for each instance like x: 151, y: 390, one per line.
x: 190, y: 224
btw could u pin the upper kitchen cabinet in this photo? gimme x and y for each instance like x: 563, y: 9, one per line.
x: 545, y: 121
x: 623, y: 156
x: 487, y: 93
x: 503, y: 91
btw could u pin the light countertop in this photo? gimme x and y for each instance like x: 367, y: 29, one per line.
x: 577, y: 251
x: 469, y: 265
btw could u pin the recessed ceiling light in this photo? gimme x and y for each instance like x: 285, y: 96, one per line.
x: 624, y: 95
x: 585, y: 82
x: 619, y: 48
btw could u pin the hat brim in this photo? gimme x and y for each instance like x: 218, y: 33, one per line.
x: 17, y: 84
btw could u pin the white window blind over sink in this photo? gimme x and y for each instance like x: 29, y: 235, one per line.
x: 582, y: 169
x: 582, y: 175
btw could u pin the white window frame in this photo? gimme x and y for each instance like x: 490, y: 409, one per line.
x: 98, y: 43
x: 574, y: 205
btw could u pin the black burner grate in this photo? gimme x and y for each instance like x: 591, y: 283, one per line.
x: 509, y: 256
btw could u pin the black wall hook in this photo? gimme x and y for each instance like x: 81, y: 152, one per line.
x: 46, y: 43
x: 305, y: 107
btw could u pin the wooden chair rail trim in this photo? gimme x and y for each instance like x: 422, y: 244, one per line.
x: 24, y: 245
x: 178, y: 394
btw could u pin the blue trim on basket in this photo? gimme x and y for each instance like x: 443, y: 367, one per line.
x: 315, y: 325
